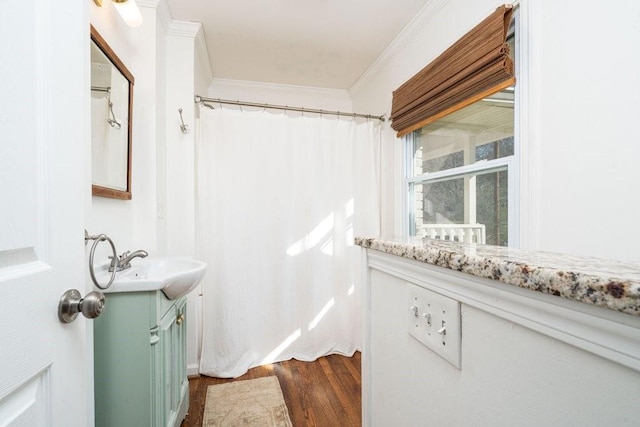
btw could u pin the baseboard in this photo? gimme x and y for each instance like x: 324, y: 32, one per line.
x: 192, y: 370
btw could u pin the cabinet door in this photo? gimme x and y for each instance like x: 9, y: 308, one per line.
x: 168, y: 338
x: 124, y: 348
x: 174, y: 368
x: 181, y: 350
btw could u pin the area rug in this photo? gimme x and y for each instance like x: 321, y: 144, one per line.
x: 258, y: 402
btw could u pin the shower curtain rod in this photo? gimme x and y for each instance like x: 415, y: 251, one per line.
x: 203, y: 100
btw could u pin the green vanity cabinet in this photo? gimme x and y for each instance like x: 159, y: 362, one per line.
x: 140, y: 361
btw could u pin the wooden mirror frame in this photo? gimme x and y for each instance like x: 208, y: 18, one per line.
x: 98, y: 190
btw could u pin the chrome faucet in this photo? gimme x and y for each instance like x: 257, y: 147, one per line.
x: 124, y: 261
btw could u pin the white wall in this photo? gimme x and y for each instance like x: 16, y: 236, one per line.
x: 164, y: 20
x: 510, y: 375
x: 278, y: 94
x: 587, y: 136
x: 160, y: 55
x: 131, y: 224
x: 578, y: 174
x: 180, y: 184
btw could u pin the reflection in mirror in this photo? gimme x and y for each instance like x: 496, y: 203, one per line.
x: 111, y: 107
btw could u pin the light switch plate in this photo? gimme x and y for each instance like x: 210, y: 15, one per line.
x: 434, y: 320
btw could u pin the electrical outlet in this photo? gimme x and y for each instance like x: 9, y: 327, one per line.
x: 434, y: 320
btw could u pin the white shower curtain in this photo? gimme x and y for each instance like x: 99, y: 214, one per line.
x: 280, y: 199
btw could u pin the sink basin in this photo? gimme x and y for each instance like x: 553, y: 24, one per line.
x: 172, y: 275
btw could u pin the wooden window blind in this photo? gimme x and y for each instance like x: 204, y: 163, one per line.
x: 474, y: 67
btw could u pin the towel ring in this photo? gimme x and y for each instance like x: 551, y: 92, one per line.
x: 97, y: 239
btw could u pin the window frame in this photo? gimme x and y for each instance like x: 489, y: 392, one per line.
x: 510, y: 163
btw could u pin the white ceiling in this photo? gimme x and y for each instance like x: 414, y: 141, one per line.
x: 316, y: 43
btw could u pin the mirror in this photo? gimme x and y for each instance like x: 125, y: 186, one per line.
x: 111, y: 108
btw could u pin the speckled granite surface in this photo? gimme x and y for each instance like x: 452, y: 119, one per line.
x: 606, y: 283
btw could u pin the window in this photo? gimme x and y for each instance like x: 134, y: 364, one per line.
x: 461, y: 172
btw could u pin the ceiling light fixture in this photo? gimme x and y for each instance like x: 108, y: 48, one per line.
x: 128, y: 10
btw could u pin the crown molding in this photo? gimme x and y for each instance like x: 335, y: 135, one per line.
x: 184, y: 28
x: 173, y: 27
x: 148, y: 3
x: 413, y: 28
x: 340, y: 94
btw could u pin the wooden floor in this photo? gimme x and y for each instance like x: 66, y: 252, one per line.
x: 324, y: 393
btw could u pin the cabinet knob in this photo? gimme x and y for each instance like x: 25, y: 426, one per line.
x: 180, y: 319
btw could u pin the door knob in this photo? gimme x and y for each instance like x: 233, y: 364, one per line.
x: 71, y: 303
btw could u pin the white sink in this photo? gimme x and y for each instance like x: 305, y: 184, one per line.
x: 172, y: 275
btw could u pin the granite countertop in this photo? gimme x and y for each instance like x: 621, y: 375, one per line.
x: 606, y: 283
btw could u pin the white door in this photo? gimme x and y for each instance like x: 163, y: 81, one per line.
x: 45, y: 366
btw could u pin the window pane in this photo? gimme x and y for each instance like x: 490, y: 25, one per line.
x: 495, y: 150
x: 492, y: 206
x: 477, y: 203
x: 439, y: 203
x: 480, y: 131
